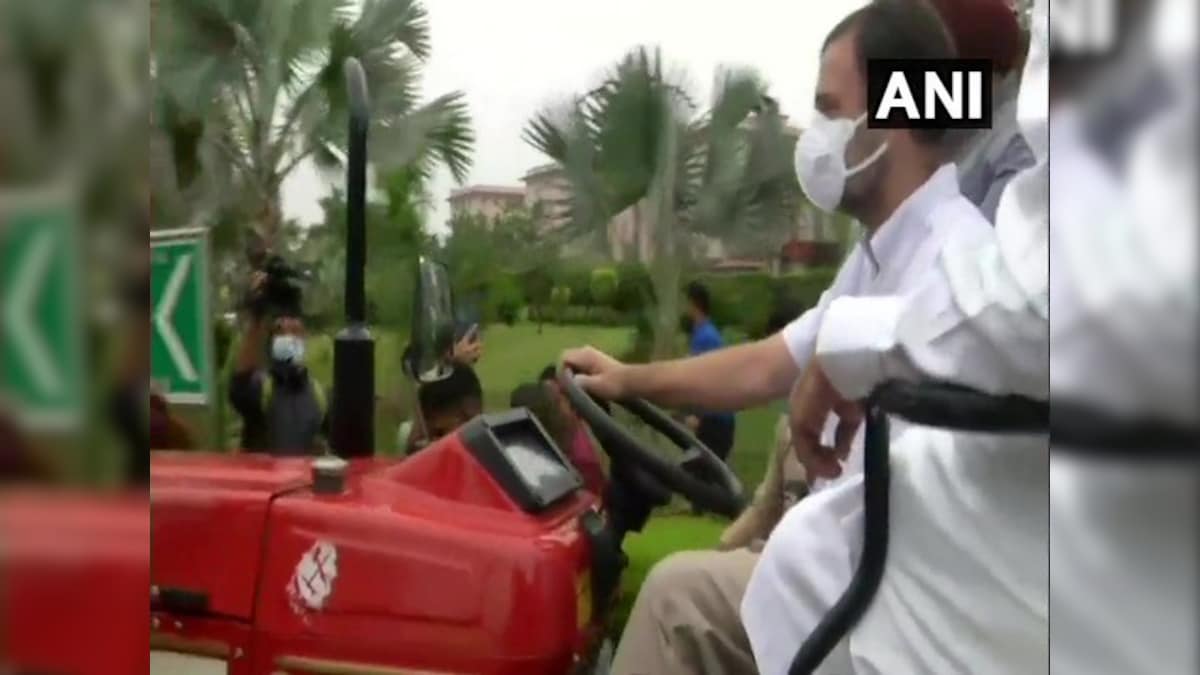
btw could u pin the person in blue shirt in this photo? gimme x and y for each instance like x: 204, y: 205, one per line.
x: 714, y: 429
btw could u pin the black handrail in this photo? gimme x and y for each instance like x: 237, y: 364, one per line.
x: 1071, y: 427
x: 942, y: 405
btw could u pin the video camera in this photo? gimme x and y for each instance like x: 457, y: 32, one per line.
x: 281, y: 293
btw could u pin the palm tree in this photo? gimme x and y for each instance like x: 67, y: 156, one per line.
x: 72, y: 101
x: 636, y: 142
x: 247, y: 90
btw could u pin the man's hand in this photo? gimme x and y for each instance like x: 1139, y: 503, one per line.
x: 598, y: 373
x: 468, y: 350
x: 813, y: 399
x: 258, y: 279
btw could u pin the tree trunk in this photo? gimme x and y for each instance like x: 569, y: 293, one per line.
x: 667, y: 256
x: 270, y: 221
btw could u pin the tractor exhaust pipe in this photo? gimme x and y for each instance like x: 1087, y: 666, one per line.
x: 352, y: 419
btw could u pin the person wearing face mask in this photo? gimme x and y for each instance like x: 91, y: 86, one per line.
x: 283, y: 409
x: 901, y: 186
x: 968, y: 551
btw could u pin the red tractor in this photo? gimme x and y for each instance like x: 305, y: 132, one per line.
x: 478, y: 554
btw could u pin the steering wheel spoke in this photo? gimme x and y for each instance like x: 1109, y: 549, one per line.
x: 697, y: 474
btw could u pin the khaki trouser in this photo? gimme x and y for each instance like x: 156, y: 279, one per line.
x: 687, y: 618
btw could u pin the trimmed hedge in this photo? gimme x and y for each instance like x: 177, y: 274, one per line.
x: 742, y: 303
x: 746, y: 301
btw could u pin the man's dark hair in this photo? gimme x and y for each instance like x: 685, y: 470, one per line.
x: 897, y: 29
x: 460, y: 388
x: 697, y: 294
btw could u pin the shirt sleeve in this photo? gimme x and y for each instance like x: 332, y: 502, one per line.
x: 801, y: 334
x: 1015, y: 158
x: 969, y: 321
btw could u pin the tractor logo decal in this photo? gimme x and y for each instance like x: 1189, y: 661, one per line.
x: 312, y: 582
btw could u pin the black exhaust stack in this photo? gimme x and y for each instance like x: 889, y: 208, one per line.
x: 352, y: 422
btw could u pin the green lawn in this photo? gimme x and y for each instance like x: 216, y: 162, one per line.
x: 516, y: 354
x: 512, y: 355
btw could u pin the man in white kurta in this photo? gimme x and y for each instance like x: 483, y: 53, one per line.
x: 686, y: 617
x: 965, y: 587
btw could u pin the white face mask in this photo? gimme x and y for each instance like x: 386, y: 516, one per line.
x: 289, y: 348
x: 821, y: 159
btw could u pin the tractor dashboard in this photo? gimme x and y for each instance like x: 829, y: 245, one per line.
x: 520, y: 455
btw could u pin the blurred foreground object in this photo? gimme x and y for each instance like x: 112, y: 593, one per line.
x: 1123, y: 338
x: 21, y: 462
x: 73, y: 569
x: 41, y: 307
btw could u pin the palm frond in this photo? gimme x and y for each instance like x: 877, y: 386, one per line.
x: 394, y: 23
x: 547, y: 131
x: 437, y: 131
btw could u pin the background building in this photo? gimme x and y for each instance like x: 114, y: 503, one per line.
x: 487, y: 201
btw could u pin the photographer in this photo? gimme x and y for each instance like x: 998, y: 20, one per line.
x: 283, y: 410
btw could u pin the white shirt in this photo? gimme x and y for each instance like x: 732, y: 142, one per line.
x: 893, y: 260
x: 965, y: 587
x: 966, y: 577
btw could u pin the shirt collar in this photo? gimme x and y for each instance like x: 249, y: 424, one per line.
x: 882, y: 247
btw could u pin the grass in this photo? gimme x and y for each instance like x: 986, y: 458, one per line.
x: 512, y: 355
x: 516, y: 354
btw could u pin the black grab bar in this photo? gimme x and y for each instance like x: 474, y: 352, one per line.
x: 1072, y: 427
x: 947, y: 406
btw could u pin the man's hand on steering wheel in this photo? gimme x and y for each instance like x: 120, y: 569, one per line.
x: 598, y: 373
x: 588, y: 374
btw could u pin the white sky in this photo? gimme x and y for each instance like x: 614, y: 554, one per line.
x: 512, y: 58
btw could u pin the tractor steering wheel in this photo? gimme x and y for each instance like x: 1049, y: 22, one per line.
x: 699, y: 475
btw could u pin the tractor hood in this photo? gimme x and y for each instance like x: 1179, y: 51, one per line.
x: 209, y: 516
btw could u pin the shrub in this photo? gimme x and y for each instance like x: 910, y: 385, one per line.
x: 635, y: 292
x: 536, y: 285
x: 643, y: 339
x: 504, y: 299
x: 745, y: 301
x: 604, y: 286
x: 560, y: 299
x: 742, y: 301
x: 578, y: 279
x: 804, y: 288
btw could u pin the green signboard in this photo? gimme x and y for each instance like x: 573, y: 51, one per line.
x: 180, y: 350
x: 42, y: 370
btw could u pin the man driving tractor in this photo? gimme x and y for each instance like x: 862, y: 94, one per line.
x: 900, y: 184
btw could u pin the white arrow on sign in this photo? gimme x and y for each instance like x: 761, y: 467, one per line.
x: 162, y: 319
x: 18, y: 316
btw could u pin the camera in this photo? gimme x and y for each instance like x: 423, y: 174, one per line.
x: 281, y: 294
